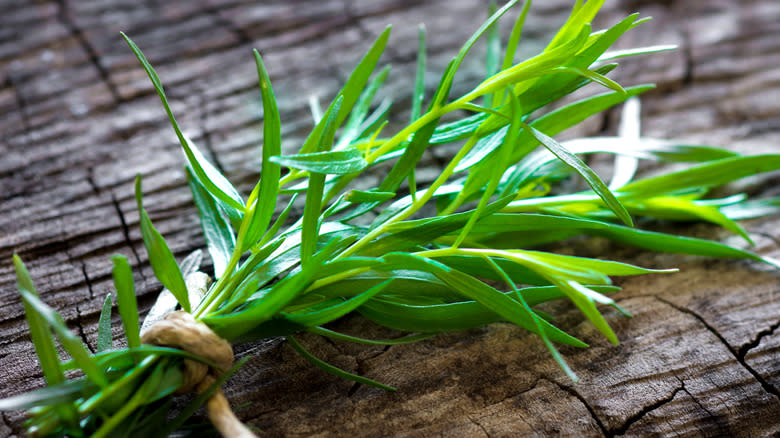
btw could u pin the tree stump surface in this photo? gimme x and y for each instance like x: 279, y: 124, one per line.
x: 700, y: 357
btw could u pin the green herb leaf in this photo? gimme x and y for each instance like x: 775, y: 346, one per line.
x: 334, y: 370
x: 351, y: 91
x: 408, y: 339
x: 160, y: 256
x: 361, y: 196
x: 104, y: 336
x: 499, y: 164
x: 39, y: 329
x: 128, y: 309
x: 53, y: 394
x: 615, y: 54
x: 449, y: 75
x: 487, y: 296
x: 207, y: 174
x: 357, y: 123
x: 311, y: 211
x: 70, y: 342
x: 710, y: 174
x: 319, y: 317
x: 327, y: 162
x: 595, y: 77
x: 264, y: 206
x: 217, y: 230
x: 586, y: 172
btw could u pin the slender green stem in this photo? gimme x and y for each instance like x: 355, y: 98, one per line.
x: 460, y: 198
x: 405, y: 133
x: 533, y: 204
x: 210, y: 301
x: 416, y: 205
x: 294, y: 174
x: 322, y: 282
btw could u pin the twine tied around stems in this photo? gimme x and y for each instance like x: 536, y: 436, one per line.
x: 180, y: 330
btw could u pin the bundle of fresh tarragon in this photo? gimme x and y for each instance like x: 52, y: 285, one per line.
x: 445, y: 256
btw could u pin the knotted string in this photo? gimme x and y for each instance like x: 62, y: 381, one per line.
x: 180, y: 330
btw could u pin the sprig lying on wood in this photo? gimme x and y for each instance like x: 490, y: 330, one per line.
x: 451, y: 255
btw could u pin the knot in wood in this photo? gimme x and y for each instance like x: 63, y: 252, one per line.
x: 180, y: 330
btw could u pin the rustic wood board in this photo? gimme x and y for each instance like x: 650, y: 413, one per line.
x: 78, y: 120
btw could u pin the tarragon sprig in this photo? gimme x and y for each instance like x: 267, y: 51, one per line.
x: 453, y: 254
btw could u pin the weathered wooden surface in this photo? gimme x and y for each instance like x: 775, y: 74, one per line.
x: 78, y: 120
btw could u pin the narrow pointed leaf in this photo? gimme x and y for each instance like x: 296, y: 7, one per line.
x: 586, y: 172
x: 710, y: 174
x: 328, y: 162
x: 125, y: 297
x: 104, y: 336
x: 263, y: 209
x: 407, y: 339
x: 64, y: 392
x: 351, y: 91
x: 361, y: 196
x: 319, y: 363
x: 595, y: 77
x: 500, y: 163
x: 39, y: 329
x: 310, y: 222
x: 358, y: 123
x: 474, y: 289
x: 207, y: 174
x: 615, y: 54
x: 320, y: 317
x: 160, y: 256
x: 217, y: 230
x: 70, y: 342
x: 464, y: 50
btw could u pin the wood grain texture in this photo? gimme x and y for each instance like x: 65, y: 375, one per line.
x: 78, y: 121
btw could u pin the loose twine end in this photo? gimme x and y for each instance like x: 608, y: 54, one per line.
x: 180, y: 330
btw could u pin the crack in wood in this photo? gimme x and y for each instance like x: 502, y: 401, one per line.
x: 360, y: 365
x: 740, y: 359
x: 91, y: 180
x: 630, y: 421
x: 717, y: 418
x: 526, y: 390
x: 582, y: 400
x: 87, y: 279
x: 479, y: 425
x: 743, y: 350
x: 94, y: 57
x: 172, y: 84
x: 353, y: 389
x: 82, y: 333
x: 126, y: 234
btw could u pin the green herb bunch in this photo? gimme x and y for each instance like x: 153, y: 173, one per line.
x: 451, y: 255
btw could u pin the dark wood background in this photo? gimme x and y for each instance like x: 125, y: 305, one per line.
x: 78, y: 120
